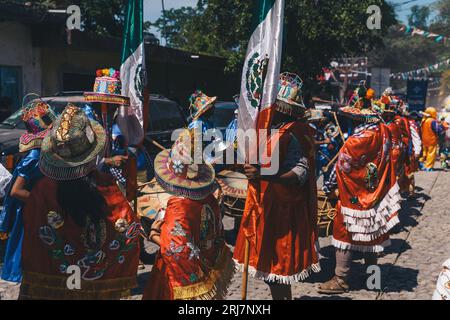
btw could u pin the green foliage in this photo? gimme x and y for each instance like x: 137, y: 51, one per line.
x: 403, y: 52
x: 315, y: 31
x: 419, y: 16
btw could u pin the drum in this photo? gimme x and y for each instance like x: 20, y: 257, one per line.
x: 234, y: 187
x: 152, y: 199
x: 326, y: 212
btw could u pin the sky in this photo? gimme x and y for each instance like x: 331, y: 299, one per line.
x: 153, y: 8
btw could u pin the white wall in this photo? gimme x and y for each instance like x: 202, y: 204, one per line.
x: 16, y: 50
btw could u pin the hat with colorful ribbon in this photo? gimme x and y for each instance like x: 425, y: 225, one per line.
x: 71, y: 149
x: 38, y: 117
x: 107, y: 89
x: 361, y: 107
x: 289, y: 97
x: 200, y: 103
x: 179, y: 175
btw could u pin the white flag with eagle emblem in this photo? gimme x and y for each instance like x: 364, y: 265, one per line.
x: 259, y: 85
x: 133, y: 73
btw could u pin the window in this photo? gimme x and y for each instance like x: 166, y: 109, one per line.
x: 165, y: 115
x: 10, y: 89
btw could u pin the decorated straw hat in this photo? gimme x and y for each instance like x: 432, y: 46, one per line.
x: 177, y: 173
x: 38, y: 117
x: 200, y: 103
x: 71, y: 149
x: 289, y: 98
x: 107, y: 88
x: 361, y: 106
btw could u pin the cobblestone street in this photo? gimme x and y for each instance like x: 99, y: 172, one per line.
x: 409, y: 269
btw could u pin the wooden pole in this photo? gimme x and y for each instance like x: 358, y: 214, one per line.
x: 339, y: 127
x: 245, y: 274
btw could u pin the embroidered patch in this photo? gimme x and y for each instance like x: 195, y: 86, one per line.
x: 178, y: 230
x: 371, y: 177
x: 193, y: 278
x: 121, y: 225
x: 47, y: 235
x: 114, y: 245
x: 133, y: 231
x: 174, y: 251
x: 55, y: 220
x: 345, y: 163
x: 63, y: 268
x: 69, y: 250
x: 195, y: 251
x: 93, y: 235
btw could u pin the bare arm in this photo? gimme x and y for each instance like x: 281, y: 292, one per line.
x: 18, y: 190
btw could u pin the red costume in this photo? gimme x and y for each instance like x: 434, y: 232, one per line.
x: 280, y: 221
x: 194, y: 261
x: 107, y: 253
x: 398, y: 147
x: 368, y: 192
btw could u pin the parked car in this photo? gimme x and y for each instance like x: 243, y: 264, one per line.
x: 165, y: 116
x: 224, y: 114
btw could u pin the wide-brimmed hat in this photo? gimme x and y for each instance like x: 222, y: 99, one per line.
x: 289, y: 97
x: 107, y: 86
x: 365, y: 115
x: 200, y: 103
x: 177, y: 173
x: 38, y: 117
x: 71, y: 149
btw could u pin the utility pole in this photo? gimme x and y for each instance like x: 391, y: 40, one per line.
x: 164, y: 22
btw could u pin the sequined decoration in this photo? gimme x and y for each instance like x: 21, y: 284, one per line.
x: 174, y: 251
x: 178, y: 230
x: 195, y: 251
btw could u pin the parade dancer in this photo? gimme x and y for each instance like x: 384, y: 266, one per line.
x: 280, y: 216
x: 38, y: 118
x: 365, y: 184
x: 397, y: 136
x: 77, y: 216
x: 193, y: 262
x: 407, y: 181
x: 202, y: 110
x: 431, y: 130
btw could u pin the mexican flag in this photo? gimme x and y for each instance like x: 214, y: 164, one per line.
x: 259, y: 85
x: 132, y: 71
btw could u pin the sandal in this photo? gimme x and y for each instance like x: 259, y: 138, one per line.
x: 335, y: 286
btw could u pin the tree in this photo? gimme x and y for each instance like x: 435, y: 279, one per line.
x: 315, y: 31
x: 419, y: 16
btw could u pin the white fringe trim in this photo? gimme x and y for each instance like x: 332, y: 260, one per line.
x: 361, y: 248
x: 368, y: 225
x: 276, y: 278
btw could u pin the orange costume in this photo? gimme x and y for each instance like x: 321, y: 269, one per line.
x: 107, y: 254
x: 430, y: 138
x: 368, y: 191
x: 194, y: 261
x: 280, y: 221
x: 398, y: 147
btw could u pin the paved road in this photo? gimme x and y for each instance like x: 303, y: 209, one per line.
x: 408, y: 270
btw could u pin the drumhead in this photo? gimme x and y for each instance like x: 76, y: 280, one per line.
x: 153, y: 200
x: 233, y: 184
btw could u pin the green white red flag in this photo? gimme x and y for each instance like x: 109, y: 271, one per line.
x: 132, y: 71
x: 259, y: 85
